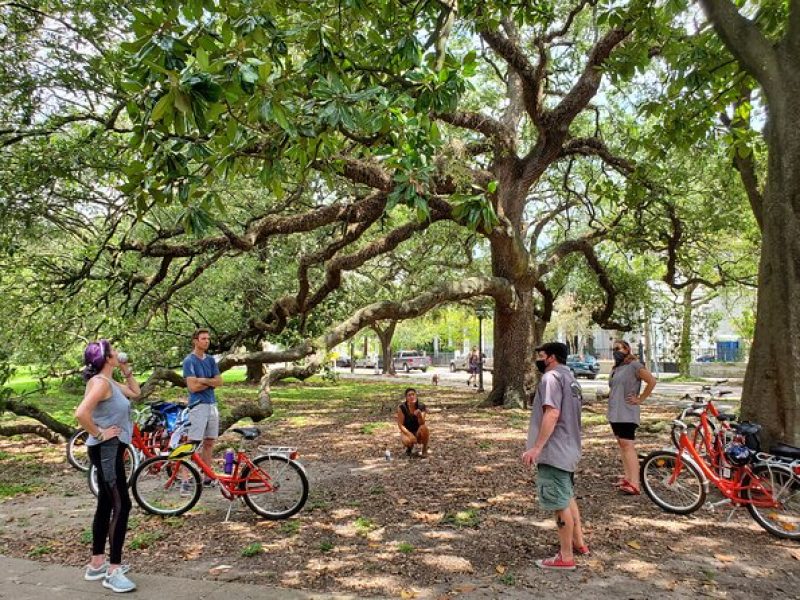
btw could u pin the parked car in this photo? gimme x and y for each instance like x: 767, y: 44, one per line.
x: 583, y: 367
x: 369, y: 362
x: 705, y: 358
x: 343, y: 361
x: 407, y: 360
x: 462, y: 364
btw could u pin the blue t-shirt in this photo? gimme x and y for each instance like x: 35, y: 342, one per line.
x: 200, y: 367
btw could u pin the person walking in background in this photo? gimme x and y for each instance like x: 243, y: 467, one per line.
x: 554, y: 446
x: 411, y: 419
x: 105, y: 413
x: 624, y: 401
x: 202, y: 378
x: 473, y: 365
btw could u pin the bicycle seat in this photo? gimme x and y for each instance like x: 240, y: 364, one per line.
x: 248, y: 433
x: 726, y: 417
x: 785, y: 451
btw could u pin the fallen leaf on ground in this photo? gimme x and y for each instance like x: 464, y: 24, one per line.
x: 795, y: 554
x: 634, y: 544
x: 464, y: 588
x: 408, y: 594
x: 500, y: 569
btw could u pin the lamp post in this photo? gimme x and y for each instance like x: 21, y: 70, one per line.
x: 481, y: 312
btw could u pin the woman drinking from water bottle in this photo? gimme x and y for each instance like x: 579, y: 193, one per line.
x: 105, y: 413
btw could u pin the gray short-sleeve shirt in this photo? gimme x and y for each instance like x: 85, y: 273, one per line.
x: 563, y: 448
x: 623, y: 382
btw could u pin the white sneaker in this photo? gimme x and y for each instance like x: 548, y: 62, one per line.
x: 118, y: 582
x: 93, y: 574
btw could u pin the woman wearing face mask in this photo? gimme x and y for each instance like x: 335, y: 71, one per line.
x: 625, y: 397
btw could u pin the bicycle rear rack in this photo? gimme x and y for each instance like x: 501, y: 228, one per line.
x: 286, y: 451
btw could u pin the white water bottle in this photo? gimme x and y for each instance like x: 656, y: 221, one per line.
x: 387, y: 455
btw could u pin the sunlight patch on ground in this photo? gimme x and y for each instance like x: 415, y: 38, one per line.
x: 448, y: 563
x: 509, y: 497
x: 441, y: 535
x: 330, y: 564
x: 375, y: 583
x: 427, y: 517
x: 639, y: 568
x: 344, y: 513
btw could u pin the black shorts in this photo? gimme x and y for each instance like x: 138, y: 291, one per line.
x: 624, y: 431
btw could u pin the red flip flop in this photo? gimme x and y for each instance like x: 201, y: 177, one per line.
x: 626, y: 487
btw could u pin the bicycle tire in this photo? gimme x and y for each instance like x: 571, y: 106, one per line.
x: 131, y: 460
x: 782, y: 521
x: 156, y: 486
x: 682, y: 497
x: 77, y: 454
x: 289, y: 487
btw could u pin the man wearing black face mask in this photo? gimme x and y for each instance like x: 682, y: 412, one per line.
x: 554, y: 445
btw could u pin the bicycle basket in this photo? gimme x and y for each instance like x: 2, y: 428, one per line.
x: 153, y: 422
x: 739, y: 454
x: 170, y: 412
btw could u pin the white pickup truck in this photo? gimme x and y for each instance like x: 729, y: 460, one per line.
x: 411, y: 359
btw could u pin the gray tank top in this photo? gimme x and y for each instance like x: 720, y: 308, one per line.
x: 623, y: 382
x: 115, y: 410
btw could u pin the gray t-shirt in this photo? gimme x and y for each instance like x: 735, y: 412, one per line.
x: 558, y: 389
x: 115, y: 410
x: 623, y: 382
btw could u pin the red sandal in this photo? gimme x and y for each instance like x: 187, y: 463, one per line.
x: 626, y: 487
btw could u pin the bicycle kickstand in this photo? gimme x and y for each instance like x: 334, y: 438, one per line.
x: 230, y: 508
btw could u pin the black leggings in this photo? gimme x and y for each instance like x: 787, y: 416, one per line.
x: 113, y: 507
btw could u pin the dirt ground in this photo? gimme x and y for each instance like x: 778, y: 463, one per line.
x: 461, y: 524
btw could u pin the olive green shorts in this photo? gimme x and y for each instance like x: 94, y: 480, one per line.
x: 555, y: 487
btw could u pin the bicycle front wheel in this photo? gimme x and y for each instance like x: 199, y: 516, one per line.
x: 77, y: 452
x: 130, y: 459
x: 673, y: 484
x: 166, y: 487
x: 773, y: 496
x: 277, y: 488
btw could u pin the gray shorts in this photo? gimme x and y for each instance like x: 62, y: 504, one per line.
x: 203, y: 422
x: 555, y: 487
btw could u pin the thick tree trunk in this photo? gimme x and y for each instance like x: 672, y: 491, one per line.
x: 771, y: 394
x: 385, y: 337
x: 514, y: 341
x: 254, y: 372
x: 685, y: 348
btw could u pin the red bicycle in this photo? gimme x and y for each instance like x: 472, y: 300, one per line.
x: 274, y: 485
x: 678, y: 481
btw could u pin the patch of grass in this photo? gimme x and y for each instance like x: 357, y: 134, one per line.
x: 518, y: 420
x: 252, y: 550
x: 40, y: 550
x: 588, y: 419
x: 507, y: 579
x: 371, y: 428
x: 290, y: 527
x: 174, y: 522
x: 376, y: 490
x: 463, y: 518
x: 405, y: 548
x: 484, y: 445
x: 364, y: 525
x: 326, y: 546
x: 9, y: 490
x: 86, y: 536
x: 145, y: 540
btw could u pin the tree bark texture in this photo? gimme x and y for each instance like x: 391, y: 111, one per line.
x: 385, y: 336
x: 771, y: 394
x: 685, y: 349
